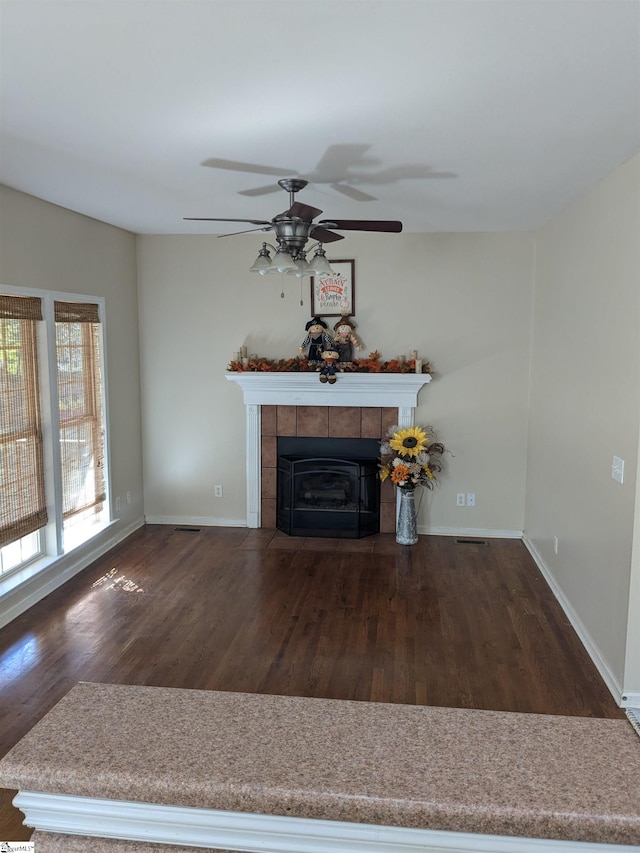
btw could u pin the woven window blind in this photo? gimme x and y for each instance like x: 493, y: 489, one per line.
x: 22, y: 497
x: 80, y: 404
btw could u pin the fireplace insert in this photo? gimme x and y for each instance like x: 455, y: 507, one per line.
x: 328, y: 487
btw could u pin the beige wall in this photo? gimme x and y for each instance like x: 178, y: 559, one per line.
x: 585, y: 407
x: 467, y: 302
x: 47, y: 247
x: 462, y: 300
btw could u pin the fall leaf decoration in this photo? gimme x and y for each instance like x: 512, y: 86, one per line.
x: 372, y: 364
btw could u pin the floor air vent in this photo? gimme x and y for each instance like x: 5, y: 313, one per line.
x: 188, y: 529
x: 471, y: 542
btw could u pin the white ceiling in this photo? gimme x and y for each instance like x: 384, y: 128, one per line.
x: 454, y: 115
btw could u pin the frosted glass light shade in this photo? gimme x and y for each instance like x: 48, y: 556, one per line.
x: 320, y: 265
x: 302, y: 268
x: 283, y: 261
x: 263, y: 262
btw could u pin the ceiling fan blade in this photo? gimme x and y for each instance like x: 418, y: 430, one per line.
x: 217, y: 219
x: 364, y: 225
x: 254, y: 168
x: 323, y: 236
x: 247, y: 231
x: 304, y: 211
x: 352, y: 192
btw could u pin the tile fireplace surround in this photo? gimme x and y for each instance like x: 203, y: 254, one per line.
x: 358, y: 405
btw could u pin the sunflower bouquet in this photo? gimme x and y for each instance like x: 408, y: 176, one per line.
x: 411, y: 457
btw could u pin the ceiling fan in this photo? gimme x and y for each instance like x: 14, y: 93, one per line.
x: 294, y: 228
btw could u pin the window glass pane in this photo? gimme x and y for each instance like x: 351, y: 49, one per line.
x: 21, y: 551
x: 81, y: 417
x: 22, y: 500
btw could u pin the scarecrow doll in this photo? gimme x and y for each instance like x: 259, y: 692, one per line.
x: 328, y: 369
x: 317, y: 339
x: 344, y: 339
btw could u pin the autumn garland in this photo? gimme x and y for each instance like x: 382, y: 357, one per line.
x: 297, y: 364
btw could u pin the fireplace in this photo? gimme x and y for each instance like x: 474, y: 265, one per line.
x: 328, y: 487
x: 296, y: 404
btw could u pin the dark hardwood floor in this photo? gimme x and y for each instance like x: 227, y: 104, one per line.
x: 440, y: 623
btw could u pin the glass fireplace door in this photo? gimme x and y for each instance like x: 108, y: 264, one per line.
x: 328, y: 497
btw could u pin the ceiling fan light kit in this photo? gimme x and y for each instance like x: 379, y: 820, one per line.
x: 294, y: 228
x: 288, y: 264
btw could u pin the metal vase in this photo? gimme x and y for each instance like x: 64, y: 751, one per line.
x: 406, y: 529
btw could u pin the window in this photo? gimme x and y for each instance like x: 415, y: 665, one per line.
x: 22, y: 497
x: 79, y: 380
x: 52, y: 442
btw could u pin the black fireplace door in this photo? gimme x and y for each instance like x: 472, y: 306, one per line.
x: 328, y: 497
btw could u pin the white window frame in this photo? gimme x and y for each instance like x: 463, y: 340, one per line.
x: 53, y: 534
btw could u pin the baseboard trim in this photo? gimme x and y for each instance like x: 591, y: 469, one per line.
x: 630, y: 700
x: 194, y: 827
x: 475, y: 532
x: 425, y: 530
x: 59, y: 570
x: 203, y: 521
x: 613, y: 685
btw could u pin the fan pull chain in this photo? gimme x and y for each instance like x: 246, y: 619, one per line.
x: 301, y: 302
x: 282, y: 285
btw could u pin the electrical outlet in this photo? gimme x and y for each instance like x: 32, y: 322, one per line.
x: 217, y: 491
x: 128, y: 497
x: 555, y: 544
x: 460, y: 499
x: 617, y: 469
x: 471, y: 499
x: 117, y: 503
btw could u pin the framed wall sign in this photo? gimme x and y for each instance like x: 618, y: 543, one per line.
x: 333, y: 295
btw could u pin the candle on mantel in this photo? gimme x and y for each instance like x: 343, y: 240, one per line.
x: 418, y: 365
x: 243, y: 352
x: 413, y: 355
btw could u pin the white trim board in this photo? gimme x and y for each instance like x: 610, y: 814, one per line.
x: 201, y: 521
x: 424, y: 530
x: 272, y: 388
x: 613, y: 685
x: 474, y: 532
x: 191, y: 827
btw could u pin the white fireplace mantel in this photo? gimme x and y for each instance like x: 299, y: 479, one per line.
x: 396, y: 390
x: 350, y: 389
